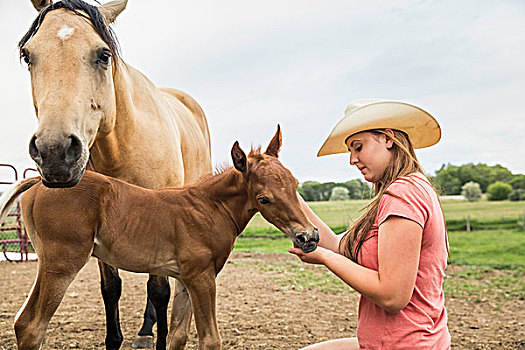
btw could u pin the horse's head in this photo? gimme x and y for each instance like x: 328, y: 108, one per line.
x: 71, y: 54
x: 273, y: 191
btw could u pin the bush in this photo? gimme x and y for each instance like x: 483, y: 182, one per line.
x: 517, y: 195
x: 471, y: 191
x: 339, y: 194
x: 498, y: 191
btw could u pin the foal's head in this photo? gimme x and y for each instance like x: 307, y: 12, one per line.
x: 272, y: 189
x: 70, y: 52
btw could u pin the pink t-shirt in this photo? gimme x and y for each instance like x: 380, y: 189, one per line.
x: 422, y: 324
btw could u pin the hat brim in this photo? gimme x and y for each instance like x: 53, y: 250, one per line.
x: 422, y: 129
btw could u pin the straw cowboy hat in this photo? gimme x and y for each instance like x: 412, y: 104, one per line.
x: 361, y: 115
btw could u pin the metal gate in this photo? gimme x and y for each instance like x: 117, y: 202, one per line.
x: 14, y: 242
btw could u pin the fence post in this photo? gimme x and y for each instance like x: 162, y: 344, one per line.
x: 468, y: 223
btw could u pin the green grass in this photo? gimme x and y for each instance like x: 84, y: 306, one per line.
x: 489, y: 264
x: 498, y: 249
x: 480, y: 283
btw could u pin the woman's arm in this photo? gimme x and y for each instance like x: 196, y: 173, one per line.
x: 392, y: 285
x: 327, y: 238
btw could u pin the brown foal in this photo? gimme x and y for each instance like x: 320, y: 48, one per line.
x: 193, y: 230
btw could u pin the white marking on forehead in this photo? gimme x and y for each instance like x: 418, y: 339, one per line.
x: 65, y: 32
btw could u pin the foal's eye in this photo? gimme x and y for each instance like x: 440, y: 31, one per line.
x: 263, y: 200
x: 104, y: 57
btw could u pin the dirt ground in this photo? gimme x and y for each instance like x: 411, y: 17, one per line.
x: 254, y: 311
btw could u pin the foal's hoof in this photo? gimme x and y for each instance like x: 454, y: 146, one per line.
x: 143, y: 342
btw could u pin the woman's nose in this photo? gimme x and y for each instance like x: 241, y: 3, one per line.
x: 353, y: 159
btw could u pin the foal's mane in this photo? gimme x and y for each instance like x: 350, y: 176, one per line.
x: 75, y: 6
x: 221, y: 168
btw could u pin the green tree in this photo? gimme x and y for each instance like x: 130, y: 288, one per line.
x: 309, y: 190
x: 517, y: 195
x: 448, y: 181
x: 451, y: 178
x: 498, y: 191
x: 471, y: 191
x: 339, y: 194
x: 518, y: 182
x: 358, y: 189
x: 325, y: 190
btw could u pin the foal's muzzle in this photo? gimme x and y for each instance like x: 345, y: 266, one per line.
x: 307, y: 241
x: 58, y: 160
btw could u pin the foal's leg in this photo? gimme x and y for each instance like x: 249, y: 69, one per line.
x: 111, y: 286
x: 202, y: 292
x: 180, y: 317
x: 54, y: 276
x: 159, y: 294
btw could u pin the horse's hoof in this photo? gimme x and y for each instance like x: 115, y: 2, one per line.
x: 143, y: 342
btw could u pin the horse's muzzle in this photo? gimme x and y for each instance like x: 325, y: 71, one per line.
x: 66, y: 184
x: 59, y: 162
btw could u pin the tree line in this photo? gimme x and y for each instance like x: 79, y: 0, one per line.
x: 497, y: 181
x: 469, y: 179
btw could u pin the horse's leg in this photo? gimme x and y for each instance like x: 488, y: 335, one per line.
x: 54, y: 276
x: 202, y: 288
x: 144, y: 339
x: 111, y: 286
x: 159, y: 294
x: 180, y: 317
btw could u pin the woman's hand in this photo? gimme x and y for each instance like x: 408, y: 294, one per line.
x: 318, y: 256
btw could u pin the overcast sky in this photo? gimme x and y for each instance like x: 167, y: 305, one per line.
x: 254, y: 64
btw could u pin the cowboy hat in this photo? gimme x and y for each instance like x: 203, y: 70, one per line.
x: 361, y: 115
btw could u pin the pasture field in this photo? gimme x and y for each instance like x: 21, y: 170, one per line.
x: 343, y: 213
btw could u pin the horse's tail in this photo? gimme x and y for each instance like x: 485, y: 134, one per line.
x: 10, y: 196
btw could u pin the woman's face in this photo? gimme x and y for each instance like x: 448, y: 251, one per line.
x: 370, y: 153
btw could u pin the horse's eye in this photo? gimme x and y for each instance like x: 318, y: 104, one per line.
x: 25, y: 57
x: 263, y: 200
x: 104, y: 57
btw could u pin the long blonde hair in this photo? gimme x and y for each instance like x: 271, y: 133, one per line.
x: 403, y: 162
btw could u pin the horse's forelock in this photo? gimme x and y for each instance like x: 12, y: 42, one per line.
x: 256, y: 153
x: 93, y: 14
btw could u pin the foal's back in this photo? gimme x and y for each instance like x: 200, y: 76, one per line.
x: 126, y: 226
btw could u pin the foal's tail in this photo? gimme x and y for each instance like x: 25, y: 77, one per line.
x: 10, y: 196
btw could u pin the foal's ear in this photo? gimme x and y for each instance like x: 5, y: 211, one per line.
x: 275, y: 145
x: 112, y: 9
x: 239, y: 157
x: 40, y: 4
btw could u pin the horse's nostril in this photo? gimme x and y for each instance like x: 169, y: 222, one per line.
x: 33, y: 149
x: 74, y: 151
x: 301, y: 239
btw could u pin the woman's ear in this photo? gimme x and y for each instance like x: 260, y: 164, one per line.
x: 389, y: 138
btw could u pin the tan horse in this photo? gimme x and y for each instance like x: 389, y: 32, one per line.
x: 193, y: 230
x: 98, y: 112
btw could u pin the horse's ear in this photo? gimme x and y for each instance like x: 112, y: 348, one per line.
x: 112, y: 9
x: 275, y: 145
x: 40, y: 4
x: 239, y: 157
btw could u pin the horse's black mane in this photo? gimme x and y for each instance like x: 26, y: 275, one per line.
x: 93, y: 14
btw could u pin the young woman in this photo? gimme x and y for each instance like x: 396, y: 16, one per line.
x: 395, y: 254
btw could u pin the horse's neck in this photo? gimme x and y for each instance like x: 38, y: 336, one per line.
x: 226, y: 190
